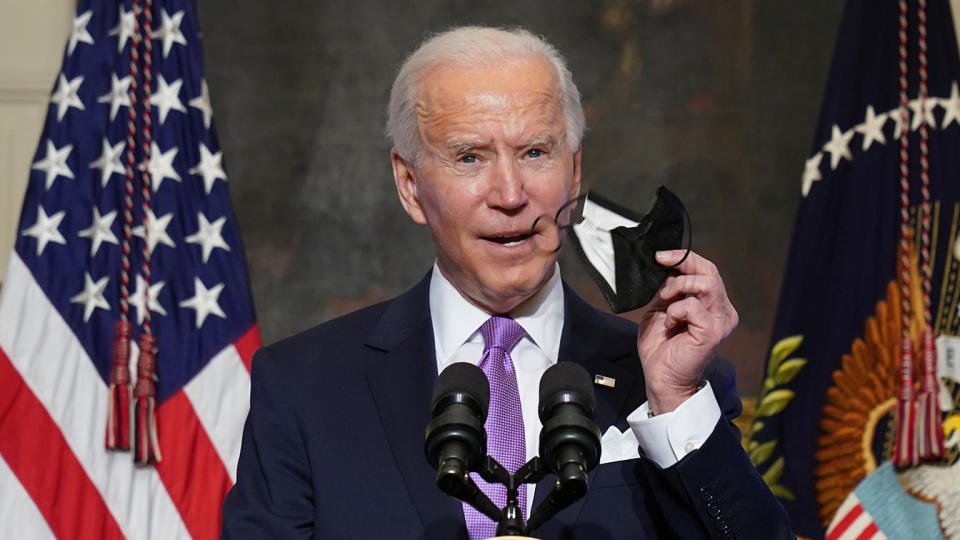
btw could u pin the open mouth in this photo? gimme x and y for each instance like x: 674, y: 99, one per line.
x: 508, y: 239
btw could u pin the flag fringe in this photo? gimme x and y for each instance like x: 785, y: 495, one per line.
x: 905, y: 447
x: 146, y: 447
x: 118, y: 408
x: 929, y: 425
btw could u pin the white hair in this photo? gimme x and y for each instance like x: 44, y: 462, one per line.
x: 473, y: 46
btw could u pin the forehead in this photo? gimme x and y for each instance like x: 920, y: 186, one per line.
x: 516, y: 96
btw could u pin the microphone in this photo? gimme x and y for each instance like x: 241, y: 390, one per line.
x: 570, y: 439
x: 456, y: 442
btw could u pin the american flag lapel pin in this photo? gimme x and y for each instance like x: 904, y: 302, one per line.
x: 603, y: 380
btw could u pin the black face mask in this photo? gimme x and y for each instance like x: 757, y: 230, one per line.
x: 632, y: 276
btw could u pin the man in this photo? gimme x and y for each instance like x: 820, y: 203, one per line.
x: 486, y: 126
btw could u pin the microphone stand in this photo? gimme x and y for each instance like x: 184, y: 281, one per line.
x: 569, y: 487
x: 530, y: 473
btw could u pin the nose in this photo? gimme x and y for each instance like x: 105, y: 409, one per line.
x: 507, y: 187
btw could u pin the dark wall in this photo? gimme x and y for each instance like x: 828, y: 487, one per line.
x: 716, y: 99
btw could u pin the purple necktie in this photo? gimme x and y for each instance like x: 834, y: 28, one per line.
x: 505, y: 438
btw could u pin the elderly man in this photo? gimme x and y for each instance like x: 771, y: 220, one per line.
x: 486, y: 126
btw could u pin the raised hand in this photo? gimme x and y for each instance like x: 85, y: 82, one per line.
x: 681, y: 328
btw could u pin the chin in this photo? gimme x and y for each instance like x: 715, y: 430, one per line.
x: 511, y: 288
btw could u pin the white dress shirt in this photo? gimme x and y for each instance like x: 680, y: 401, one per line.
x: 665, y: 438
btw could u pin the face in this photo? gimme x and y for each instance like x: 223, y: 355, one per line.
x: 494, y: 157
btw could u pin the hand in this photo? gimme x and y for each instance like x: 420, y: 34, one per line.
x: 681, y: 328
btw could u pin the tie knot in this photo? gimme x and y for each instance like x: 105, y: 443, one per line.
x: 502, y: 333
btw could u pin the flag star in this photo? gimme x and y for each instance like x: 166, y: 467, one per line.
x: 65, y: 96
x: 951, y: 107
x: 109, y: 161
x: 872, y: 128
x: 927, y: 114
x: 161, y: 166
x: 99, y: 230
x: 126, y: 25
x: 209, y: 235
x: 167, y: 97
x: 209, y: 167
x: 811, y: 172
x: 54, y: 164
x: 169, y: 30
x: 92, y: 295
x: 156, y: 231
x: 118, y: 96
x: 152, y: 294
x: 204, y: 301
x: 46, y: 229
x: 79, y: 32
x: 838, y: 146
x: 202, y: 102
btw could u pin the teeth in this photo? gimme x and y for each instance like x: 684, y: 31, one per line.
x: 509, y: 240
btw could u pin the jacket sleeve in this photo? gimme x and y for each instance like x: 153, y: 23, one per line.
x: 716, y: 490
x: 273, y: 496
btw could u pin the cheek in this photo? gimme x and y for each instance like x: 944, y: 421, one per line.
x: 452, y: 201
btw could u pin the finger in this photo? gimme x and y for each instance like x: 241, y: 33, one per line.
x: 693, y: 264
x: 689, y: 311
x: 706, y: 288
x: 708, y: 326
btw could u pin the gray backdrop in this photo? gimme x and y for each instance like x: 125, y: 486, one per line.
x: 717, y: 99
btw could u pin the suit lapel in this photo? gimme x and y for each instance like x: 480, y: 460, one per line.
x: 401, y: 382
x: 589, y: 340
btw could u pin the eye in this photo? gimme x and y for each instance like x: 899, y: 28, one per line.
x: 467, y: 158
x: 535, y: 153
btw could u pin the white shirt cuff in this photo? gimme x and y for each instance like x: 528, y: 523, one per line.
x: 669, y: 437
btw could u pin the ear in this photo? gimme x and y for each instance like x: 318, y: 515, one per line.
x: 575, y: 188
x: 403, y: 176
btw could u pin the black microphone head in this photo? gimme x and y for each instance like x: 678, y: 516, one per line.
x: 455, y: 440
x: 463, y: 383
x: 566, y: 382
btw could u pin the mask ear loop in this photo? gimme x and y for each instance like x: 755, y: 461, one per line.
x: 689, y: 241
x: 556, y: 220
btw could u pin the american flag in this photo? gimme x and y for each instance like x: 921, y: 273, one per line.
x: 61, y: 297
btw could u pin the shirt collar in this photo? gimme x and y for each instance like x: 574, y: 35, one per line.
x: 456, y: 320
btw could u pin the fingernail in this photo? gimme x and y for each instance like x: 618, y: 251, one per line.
x: 666, y: 257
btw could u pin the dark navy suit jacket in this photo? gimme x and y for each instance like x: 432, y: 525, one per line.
x: 333, y: 444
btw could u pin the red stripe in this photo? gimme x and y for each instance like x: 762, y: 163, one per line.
x: 191, y: 469
x: 56, y: 482
x: 868, y: 532
x: 844, y: 524
x: 248, y: 344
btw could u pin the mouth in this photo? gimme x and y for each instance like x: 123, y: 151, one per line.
x: 509, y: 239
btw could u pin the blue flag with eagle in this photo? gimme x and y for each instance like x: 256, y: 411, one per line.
x: 825, y: 425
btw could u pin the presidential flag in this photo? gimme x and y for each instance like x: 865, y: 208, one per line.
x: 857, y: 390
x: 126, y: 301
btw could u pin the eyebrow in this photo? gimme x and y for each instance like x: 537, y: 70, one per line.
x: 546, y: 139
x: 459, y: 147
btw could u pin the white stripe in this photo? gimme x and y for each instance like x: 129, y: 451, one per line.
x: 19, y: 515
x: 220, y: 395
x: 848, y: 504
x: 857, y: 527
x: 58, y: 370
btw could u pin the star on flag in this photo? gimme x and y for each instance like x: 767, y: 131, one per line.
x: 204, y: 301
x: 46, y: 229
